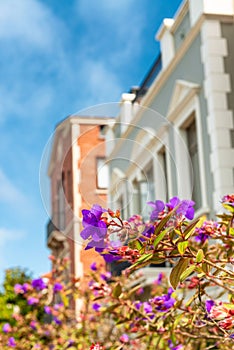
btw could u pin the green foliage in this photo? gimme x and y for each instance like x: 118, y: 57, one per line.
x: 9, y: 300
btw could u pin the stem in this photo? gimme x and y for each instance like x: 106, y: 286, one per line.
x: 211, y: 278
x: 218, y: 267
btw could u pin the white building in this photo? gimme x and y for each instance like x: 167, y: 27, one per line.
x: 175, y: 133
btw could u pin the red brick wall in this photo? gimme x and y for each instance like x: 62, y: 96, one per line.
x: 91, y: 147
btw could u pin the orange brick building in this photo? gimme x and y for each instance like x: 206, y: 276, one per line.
x: 78, y: 177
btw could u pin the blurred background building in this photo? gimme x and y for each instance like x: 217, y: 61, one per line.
x: 78, y: 178
x: 174, y: 135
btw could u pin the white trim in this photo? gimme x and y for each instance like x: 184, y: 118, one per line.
x: 219, y: 120
x: 187, y: 105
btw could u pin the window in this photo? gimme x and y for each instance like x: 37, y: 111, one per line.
x: 191, y: 134
x: 135, y: 198
x: 102, y: 173
x: 147, y: 190
x: 61, y: 204
x: 102, y: 131
x: 164, y: 172
x: 151, y: 185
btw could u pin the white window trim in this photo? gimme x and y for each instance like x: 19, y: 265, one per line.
x: 184, y: 188
x: 160, y: 186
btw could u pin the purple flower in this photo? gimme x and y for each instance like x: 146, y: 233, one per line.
x: 57, y: 320
x: 58, y: 306
x: 172, y: 347
x: 158, y: 206
x: 6, y: 328
x: 38, y: 284
x: 147, y: 307
x: 70, y: 343
x: 33, y: 301
x: 93, y: 266
x: 26, y: 287
x: 138, y: 304
x: 105, y: 276
x: 47, y: 310
x: 201, y: 236
x: 159, y: 279
x: 148, y: 231
x: 96, y: 306
x: 203, y: 232
x: 57, y: 287
x: 11, y: 342
x: 165, y: 302
x: 94, y: 227
x: 109, y: 258
x: 209, y: 305
x: 185, y: 207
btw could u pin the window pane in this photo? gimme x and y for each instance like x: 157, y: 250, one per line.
x: 150, y: 181
x: 193, y: 152
x: 102, y: 173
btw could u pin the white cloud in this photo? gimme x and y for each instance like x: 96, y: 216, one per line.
x: 119, y: 25
x: 6, y: 236
x: 9, y: 193
x: 10, y: 235
x: 29, y: 22
x: 109, y: 9
x: 100, y: 81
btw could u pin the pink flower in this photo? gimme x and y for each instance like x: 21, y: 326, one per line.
x: 96, y: 347
x: 124, y: 338
x: 219, y: 312
x: 18, y: 288
x: 33, y: 325
x: 227, y: 323
x: 33, y: 301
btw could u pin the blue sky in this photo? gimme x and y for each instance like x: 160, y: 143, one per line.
x: 56, y: 58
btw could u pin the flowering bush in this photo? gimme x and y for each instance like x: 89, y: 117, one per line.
x: 191, y: 308
x: 197, y: 310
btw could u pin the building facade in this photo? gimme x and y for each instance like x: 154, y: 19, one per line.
x: 78, y: 178
x: 174, y: 135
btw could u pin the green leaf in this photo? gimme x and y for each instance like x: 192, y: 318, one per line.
x: 231, y: 231
x: 145, y: 257
x: 142, y: 259
x: 187, y: 272
x: 138, y: 244
x: 229, y: 207
x: 176, y: 272
x: 164, y: 221
x: 189, y: 230
x: 182, y: 246
x: 160, y: 237
x: 64, y: 299
x: 111, y: 308
x: 117, y: 290
x: 199, y: 256
x: 206, y: 268
x: 157, y: 260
